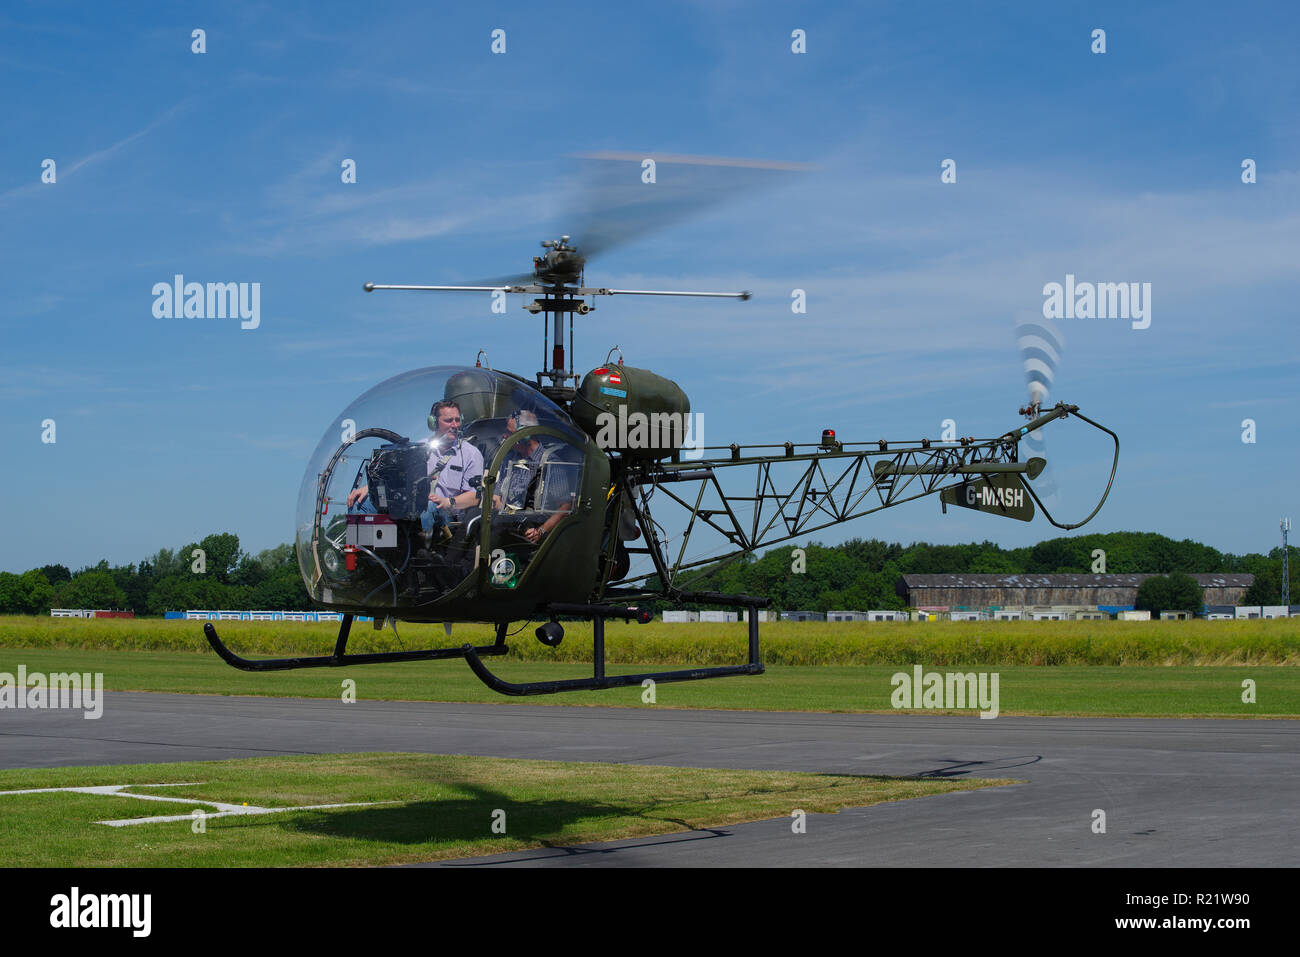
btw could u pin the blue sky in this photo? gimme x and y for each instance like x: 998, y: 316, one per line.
x: 225, y: 166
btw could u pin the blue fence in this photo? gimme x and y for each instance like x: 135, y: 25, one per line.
x: 201, y: 615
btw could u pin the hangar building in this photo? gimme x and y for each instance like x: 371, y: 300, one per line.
x: 988, y: 591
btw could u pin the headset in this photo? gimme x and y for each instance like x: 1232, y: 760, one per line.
x: 436, y: 411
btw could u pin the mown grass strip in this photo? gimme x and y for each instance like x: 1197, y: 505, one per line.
x: 441, y: 807
x: 1062, y: 690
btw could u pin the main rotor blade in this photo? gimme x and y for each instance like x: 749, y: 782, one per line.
x: 496, y: 282
x: 617, y: 205
x: 372, y: 286
x: 659, y: 292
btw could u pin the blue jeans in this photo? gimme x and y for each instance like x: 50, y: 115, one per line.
x: 434, y: 518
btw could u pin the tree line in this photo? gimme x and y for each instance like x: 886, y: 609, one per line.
x: 863, y: 574
x: 220, y: 575
x: 860, y: 573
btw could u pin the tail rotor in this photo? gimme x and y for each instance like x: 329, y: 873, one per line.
x: 1041, y: 345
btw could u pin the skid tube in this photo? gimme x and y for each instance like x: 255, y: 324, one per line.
x: 599, y: 681
x: 473, y: 654
x: 340, y: 658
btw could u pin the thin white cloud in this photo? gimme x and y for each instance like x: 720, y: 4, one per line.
x: 68, y: 169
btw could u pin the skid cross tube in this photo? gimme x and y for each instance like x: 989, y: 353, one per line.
x: 340, y: 659
x: 599, y: 681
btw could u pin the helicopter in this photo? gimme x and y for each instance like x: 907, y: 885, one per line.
x: 465, y: 494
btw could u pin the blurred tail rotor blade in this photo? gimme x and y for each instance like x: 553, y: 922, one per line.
x: 1041, y: 345
x: 1040, y: 353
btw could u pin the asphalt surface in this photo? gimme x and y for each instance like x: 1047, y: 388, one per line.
x: 1187, y: 793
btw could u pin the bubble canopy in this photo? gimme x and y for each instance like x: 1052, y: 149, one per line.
x: 394, y: 423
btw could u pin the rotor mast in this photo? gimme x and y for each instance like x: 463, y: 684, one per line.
x: 558, y: 278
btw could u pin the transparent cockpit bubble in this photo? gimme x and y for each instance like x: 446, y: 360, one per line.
x: 389, y: 503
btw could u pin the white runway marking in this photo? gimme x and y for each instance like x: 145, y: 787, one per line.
x: 223, y: 810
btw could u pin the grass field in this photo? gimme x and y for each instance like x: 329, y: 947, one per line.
x: 1181, y: 691
x: 1270, y: 642
x: 1173, y: 668
x: 422, y: 807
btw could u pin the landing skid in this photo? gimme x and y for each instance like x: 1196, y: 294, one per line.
x: 340, y: 658
x: 474, y: 655
x: 599, y: 681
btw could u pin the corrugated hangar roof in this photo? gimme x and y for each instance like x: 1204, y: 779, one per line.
x: 1205, y: 580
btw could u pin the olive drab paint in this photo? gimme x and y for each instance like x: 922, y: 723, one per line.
x: 630, y: 394
x: 1000, y: 493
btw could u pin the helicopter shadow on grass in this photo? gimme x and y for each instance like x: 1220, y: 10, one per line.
x: 468, y: 820
x: 594, y: 847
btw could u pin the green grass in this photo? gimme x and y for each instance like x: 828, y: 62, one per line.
x: 1180, y: 691
x: 1271, y: 642
x: 437, y: 806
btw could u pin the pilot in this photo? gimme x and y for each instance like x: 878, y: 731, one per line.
x: 452, y: 466
x: 453, y: 463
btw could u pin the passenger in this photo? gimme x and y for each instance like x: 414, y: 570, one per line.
x: 521, y: 468
x: 519, y: 481
x: 558, y: 497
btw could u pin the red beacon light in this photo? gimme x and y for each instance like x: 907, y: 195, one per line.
x: 829, y: 441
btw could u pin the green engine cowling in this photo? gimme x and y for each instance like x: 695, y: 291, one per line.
x: 632, y: 411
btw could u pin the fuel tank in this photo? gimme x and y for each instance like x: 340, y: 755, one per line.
x: 632, y: 411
